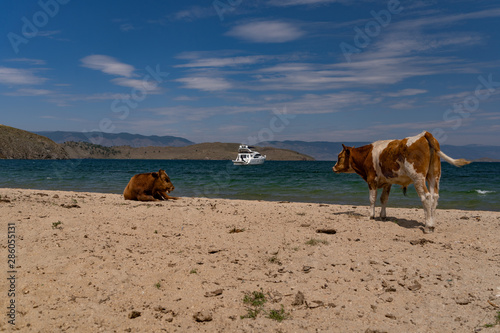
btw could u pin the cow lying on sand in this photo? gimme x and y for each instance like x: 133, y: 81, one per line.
x: 150, y: 186
x: 411, y: 160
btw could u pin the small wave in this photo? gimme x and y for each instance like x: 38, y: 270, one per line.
x: 484, y: 192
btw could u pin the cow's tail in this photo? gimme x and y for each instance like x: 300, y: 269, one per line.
x: 456, y: 162
x: 434, y: 144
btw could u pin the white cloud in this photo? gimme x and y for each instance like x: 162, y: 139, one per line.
x: 14, y: 76
x: 205, y: 83
x: 108, y: 65
x: 406, y: 92
x: 29, y: 92
x: 28, y: 61
x: 225, y: 62
x: 137, y: 84
x: 127, y: 27
x: 266, y: 32
x: 193, y: 13
x: 48, y: 33
x: 328, y: 103
x: 286, y: 3
x: 186, y: 98
x: 405, y: 105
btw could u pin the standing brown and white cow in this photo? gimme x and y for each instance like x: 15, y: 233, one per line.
x: 412, y: 160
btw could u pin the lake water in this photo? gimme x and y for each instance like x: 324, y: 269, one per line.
x: 472, y: 187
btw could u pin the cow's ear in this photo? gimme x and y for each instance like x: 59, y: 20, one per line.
x: 348, y: 151
x: 343, y: 146
x: 155, y: 174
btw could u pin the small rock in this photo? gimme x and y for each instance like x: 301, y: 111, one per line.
x: 202, y: 316
x: 462, y: 301
x: 134, y: 314
x: 306, y: 269
x: 327, y: 231
x: 214, y: 293
x: 415, y: 286
x: 55, y: 196
x: 70, y: 206
x: 390, y: 316
x: 299, y: 299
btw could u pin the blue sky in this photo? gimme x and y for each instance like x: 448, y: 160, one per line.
x: 246, y: 71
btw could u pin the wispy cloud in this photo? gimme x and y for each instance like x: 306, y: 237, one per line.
x: 226, y: 61
x: 127, y: 27
x: 28, y: 61
x: 267, y: 32
x: 29, y: 92
x: 48, y: 33
x: 15, y: 76
x: 205, y: 83
x: 406, y: 92
x: 193, y: 13
x: 287, y: 3
x: 147, y: 86
x: 108, y: 65
x: 185, y: 98
x: 404, y: 105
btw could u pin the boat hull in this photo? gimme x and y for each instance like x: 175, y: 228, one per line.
x: 253, y: 161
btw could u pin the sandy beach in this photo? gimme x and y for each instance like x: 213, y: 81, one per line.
x: 91, y: 262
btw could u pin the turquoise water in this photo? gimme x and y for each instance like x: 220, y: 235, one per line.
x: 473, y: 187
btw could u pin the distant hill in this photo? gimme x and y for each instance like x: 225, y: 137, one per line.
x: 320, y: 150
x: 328, y: 151
x: 201, y: 151
x: 116, y: 139
x: 19, y: 144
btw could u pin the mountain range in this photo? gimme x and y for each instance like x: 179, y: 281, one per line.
x: 116, y: 139
x: 126, y: 145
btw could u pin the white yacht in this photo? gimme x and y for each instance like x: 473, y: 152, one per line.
x: 247, y: 156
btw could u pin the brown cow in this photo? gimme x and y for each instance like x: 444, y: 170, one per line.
x: 411, y: 160
x: 152, y: 186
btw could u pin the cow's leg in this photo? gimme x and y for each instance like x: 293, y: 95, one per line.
x: 433, y: 183
x: 426, y: 198
x: 383, y: 200
x: 373, y: 199
x: 146, y: 197
x: 166, y: 196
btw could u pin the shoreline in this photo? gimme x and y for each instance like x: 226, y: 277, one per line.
x: 93, y: 261
x: 417, y: 205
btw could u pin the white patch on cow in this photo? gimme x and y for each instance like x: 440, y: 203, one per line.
x: 378, y: 148
x: 412, y: 172
x: 413, y: 139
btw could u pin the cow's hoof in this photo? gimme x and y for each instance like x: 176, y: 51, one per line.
x: 383, y: 218
x: 372, y: 217
x: 428, y: 230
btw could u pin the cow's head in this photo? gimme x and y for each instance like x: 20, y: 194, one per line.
x: 344, y: 161
x: 163, y: 181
